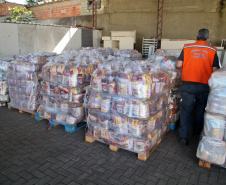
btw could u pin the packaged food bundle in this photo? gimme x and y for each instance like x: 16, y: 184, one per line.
x: 94, y: 131
x: 93, y: 117
x: 174, y: 116
x: 109, y: 84
x: 169, y: 62
x: 4, y: 63
x: 141, y: 86
x: 217, y: 101
x: 3, y: 88
x: 2, y: 75
x: 214, y: 125
x: 95, y: 100
x: 132, y: 54
x: 213, y: 151
x: 120, y: 124
x: 137, y: 127
x: 4, y: 94
x: 105, y: 120
x: 106, y: 103
x: 26, y: 104
x: 118, y: 104
x: 124, y: 141
x: 217, y: 79
x: 4, y: 98
x: 97, y: 76
x: 88, y: 70
x: 124, y: 82
x: 160, y: 81
x: 107, y: 135
x: 136, y: 109
x: 76, y: 77
x: 23, y: 80
x: 65, y: 74
x: 144, y: 145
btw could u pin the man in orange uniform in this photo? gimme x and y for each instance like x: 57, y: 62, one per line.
x: 198, y: 61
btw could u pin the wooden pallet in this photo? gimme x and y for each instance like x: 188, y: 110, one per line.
x: 142, y: 157
x: 22, y: 111
x: 204, y: 164
x: 68, y: 128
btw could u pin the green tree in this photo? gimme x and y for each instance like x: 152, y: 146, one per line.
x: 33, y: 2
x: 20, y: 14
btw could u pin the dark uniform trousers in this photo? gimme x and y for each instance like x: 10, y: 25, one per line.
x: 192, y: 94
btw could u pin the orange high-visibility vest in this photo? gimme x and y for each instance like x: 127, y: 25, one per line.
x: 198, y: 62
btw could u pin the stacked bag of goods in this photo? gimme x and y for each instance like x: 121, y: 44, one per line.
x: 169, y: 64
x: 128, y: 105
x: 63, y: 88
x: 128, y: 54
x: 4, y: 95
x: 23, y: 81
x: 212, y: 146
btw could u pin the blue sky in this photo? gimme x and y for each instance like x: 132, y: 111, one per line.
x: 17, y: 1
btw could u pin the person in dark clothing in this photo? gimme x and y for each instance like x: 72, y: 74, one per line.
x: 198, y: 61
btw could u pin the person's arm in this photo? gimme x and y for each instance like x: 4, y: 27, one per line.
x: 180, y: 59
x: 215, y: 65
x: 215, y: 68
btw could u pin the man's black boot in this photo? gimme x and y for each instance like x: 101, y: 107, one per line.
x: 183, y: 141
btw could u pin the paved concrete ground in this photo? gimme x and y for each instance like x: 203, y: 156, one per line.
x: 29, y: 155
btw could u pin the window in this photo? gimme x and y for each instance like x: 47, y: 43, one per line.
x: 90, y: 4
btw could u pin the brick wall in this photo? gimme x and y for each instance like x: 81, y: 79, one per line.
x: 66, y: 11
x: 4, y: 8
x: 57, y: 10
x: 42, y: 13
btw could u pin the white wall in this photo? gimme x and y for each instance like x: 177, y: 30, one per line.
x: 18, y: 39
x: 9, y: 45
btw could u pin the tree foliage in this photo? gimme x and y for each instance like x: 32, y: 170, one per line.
x: 20, y: 14
x: 33, y: 2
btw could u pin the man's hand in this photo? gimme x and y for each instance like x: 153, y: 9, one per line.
x: 214, y: 69
x: 179, y: 64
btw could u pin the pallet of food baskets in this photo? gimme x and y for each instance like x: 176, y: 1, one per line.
x: 63, y: 89
x: 4, y: 94
x: 212, y: 146
x: 24, y: 83
x: 128, y: 106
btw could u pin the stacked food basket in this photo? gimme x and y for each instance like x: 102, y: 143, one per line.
x: 212, y: 146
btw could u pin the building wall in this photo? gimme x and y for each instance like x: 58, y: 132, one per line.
x: 181, y: 18
x: 19, y: 39
x: 69, y: 8
x: 5, y: 6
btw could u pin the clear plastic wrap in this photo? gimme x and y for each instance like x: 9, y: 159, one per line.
x: 132, y: 54
x: 23, y: 81
x: 217, y: 79
x: 125, y: 140
x: 61, y: 117
x: 132, y: 82
x: 215, y: 126
x: 217, y: 101
x: 68, y: 75
x: 213, y: 151
x: 4, y: 92
x: 63, y: 88
x: 128, y: 104
x: 212, y: 146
